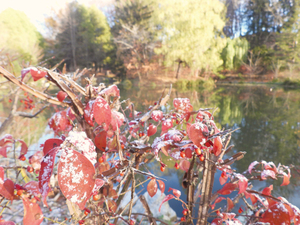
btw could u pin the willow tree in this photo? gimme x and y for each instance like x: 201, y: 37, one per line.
x: 190, y: 32
x: 19, y: 37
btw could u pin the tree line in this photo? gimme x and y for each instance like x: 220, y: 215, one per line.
x: 134, y: 36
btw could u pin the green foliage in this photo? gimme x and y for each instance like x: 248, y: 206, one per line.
x: 235, y: 53
x: 19, y: 36
x: 83, y: 37
x: 190, y: 31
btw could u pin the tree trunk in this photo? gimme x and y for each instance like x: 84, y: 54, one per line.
x: 178, y: 69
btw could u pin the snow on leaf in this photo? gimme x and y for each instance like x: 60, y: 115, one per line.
x: 102, y: 112
x: 112, y: 90
x: 98, y: 184
x: 161, y: 185
x: 198, y: 134
x: 167, y: 198
x: 33, y: 188
x: 33, y: 214
x: 151, y: 130
x: 61, y: 95
x: 230, y: 204
x: 75, y: 176
x: 217, y: 221
x: 88, y: 113
x: 46, y: 170
x: 83, y: 144
x: 176, y: 192
x: 276, y: 214
x: 166, y: 125
x: 50, y: 144
x: 7, y: 189
x: 1, y: 176
x: 182, y: 104
x: 100, y: 140
x: 252, y: 165
x: 24, y: 72
x: 37, y: 74
x: 60, y: 122
x: 267, y: 173
x: 157, y: 115
x: 7, y: 138
x: 117, y: 119
x: 184, y: 165
x: 36, y: 159
x: 227, y: 189
x: 243, y: 183
x: 152, y: 187
x: 217, y: 147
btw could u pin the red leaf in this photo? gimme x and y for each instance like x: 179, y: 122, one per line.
x: 7, y: 138
x: 33, y: 188
x: 50, y: 144
x: 7, y: 189
x: 24, y: 72
x: 157, y: 115
x: 98, y: 184
x: 253, y: 164
x: 230, y: 204
x: 2, y: 222
x: 227, y: 189
x: 3, y: 151
x: 46, y: 170
x: 100, y: 140
x: 75, y: 176
x: 167, y: 198
x: 60, y: 122
x: 198, y: 133
x: 36, y: 74
x: 161, y: 185
x: 24, y: 148
x: 166, y: 125
x: 151, y: 130
x: 112, y: 90
x: 267, y: 190
x: 188, y: 152
x: 83, y: 144
x: 176, y: 192
x: 112, y: 205
x: 1, y: 175
x: 243, y: 183
x: 88, y: 113
x: 223, y: 178
x: 217, y: 221
x: 182, y: 104
x: 33, y: 214
x: 276, y: 214
x: 102, y: 112
x: 217, y: 148
x: 61, y: 95
x: 286, y: 178
x: 184, y: 165
x: 117, y: 119
x: 36, y: 159
x: 219, y: 199
x: 267, y: 173
x: 152, y: 187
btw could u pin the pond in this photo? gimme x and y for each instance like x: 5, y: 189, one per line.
x: 268, y: 119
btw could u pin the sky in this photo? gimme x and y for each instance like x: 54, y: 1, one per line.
x: 36, y: 10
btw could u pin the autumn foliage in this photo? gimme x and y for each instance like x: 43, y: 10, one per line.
x: 101, y: 143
